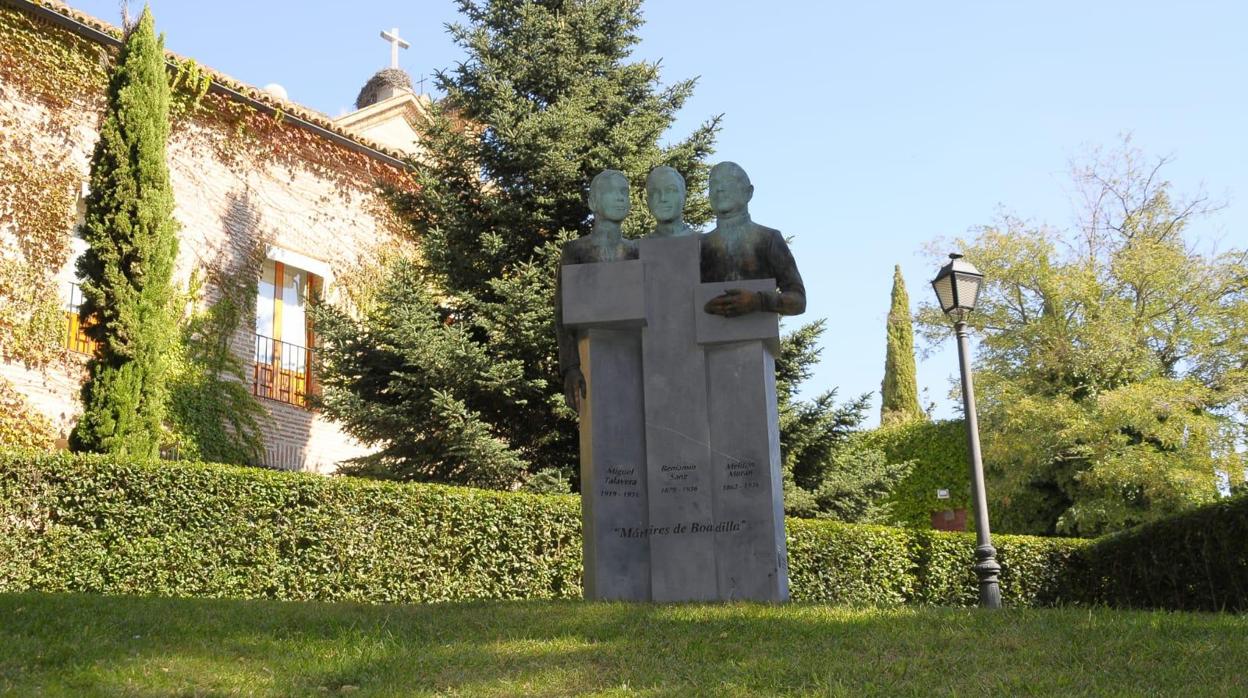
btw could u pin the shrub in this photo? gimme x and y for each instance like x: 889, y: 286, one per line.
x: 1194, y: 561
x: 101, y: 524
x: 848, y: 563
x: 1034, y: 571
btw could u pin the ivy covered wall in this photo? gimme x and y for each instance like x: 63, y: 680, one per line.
x: 247, y: 179
x: 939, y: 452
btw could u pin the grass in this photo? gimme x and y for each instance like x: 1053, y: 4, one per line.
x: 80, y: 645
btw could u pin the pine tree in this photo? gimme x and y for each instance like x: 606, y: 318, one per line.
x: 899, y: 391
x: 545, y: 99
x: 127, y: 269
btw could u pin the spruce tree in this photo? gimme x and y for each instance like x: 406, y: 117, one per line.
x: 828, y: 473
x: 127, y: 269
x: 415, y: 386
x: 546, y: 98
x: 899, y: 391
x: 551, y: 99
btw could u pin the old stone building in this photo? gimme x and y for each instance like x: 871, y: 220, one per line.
x: 275, y: 202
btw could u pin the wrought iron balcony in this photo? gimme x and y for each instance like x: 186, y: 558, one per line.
x: 76, y: 339
x: 281, y: 371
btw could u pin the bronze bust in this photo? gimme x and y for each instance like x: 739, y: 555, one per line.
x: 739, y: 249
x: 610, y: 202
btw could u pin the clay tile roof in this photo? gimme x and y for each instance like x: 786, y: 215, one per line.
x: 232, y: 85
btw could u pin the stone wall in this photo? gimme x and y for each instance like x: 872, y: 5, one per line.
x: 230, y: 209
x: 234, y: 195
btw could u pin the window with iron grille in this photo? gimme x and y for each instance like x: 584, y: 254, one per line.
x: 76, y: 339
x: 282, y: 363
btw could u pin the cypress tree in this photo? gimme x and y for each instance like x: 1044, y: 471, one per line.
x: 127, y: 269
x: 899, y: 392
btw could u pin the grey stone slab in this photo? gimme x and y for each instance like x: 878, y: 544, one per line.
x: 681, y: 507
x: 604, y: 294
x: 751, y: 559
x: 613, y: 467
x: 677, y: 428
x: 715, y: 329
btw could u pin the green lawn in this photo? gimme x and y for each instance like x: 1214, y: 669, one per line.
x: 93, y: 645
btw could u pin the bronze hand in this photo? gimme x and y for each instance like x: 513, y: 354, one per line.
x: 734, y: 302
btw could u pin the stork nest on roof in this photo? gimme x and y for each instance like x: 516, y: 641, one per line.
x: 389, y: 77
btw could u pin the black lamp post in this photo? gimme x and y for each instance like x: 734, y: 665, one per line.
x: 957, y: 288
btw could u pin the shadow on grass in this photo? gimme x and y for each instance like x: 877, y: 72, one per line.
x: 93, y: 645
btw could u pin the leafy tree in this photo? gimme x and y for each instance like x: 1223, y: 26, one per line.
x: 546, y: 98
x: 127, y: 294
x: 1112, y: 371
x: 899, y: 391
x: 827, y: 473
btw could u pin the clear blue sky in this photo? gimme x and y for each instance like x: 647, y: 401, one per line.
x: 868, y: 128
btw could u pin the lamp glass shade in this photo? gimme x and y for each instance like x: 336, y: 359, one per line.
x: 966, y: 290
x: 944, y: 291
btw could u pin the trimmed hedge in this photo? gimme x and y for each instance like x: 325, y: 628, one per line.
x: 1194, y: 561
x: 95, y: 524
x: 882, y: 565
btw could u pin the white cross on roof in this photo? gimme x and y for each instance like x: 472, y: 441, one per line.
x: 395, y: 44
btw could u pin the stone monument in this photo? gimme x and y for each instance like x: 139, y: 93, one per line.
x: 667, y: 351
x: 749, y: 278
x: 678, y: 455
x: 599, y: 311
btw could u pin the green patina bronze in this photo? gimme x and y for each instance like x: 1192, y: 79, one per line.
x: 610, y: 203
x: 665, y: 197
x: 738, y: 249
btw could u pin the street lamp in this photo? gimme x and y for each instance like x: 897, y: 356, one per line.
x: 957, y: 288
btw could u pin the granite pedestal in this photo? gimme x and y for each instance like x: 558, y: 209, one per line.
x: 680, y: 445
x: 678, y: 456
x: 605, y: 304
x: 751, y: 561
